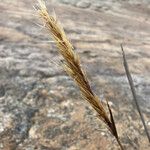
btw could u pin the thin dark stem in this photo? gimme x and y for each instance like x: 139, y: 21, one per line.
x: 113, y: 127
x: 121, y: 147
x: 134, y: 92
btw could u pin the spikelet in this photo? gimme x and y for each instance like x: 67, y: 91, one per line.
x: 73, y: 68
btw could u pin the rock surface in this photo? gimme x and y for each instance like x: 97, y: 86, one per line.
x: 40, y: 107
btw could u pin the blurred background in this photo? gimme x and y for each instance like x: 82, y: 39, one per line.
x: 41, y: 107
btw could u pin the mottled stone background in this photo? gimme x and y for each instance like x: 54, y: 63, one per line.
x: 40, y: 106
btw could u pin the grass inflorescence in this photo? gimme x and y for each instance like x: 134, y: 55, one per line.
x: 73, y: 68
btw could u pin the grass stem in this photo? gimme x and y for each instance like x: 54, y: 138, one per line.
x: 134, y: 92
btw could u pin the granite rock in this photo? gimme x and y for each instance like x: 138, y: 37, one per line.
x: 41, y: 107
